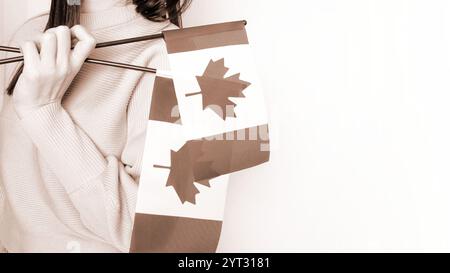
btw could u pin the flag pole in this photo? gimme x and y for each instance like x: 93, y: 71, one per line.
x: 101, y: 45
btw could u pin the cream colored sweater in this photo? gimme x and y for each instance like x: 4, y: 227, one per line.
x: 69, y: 173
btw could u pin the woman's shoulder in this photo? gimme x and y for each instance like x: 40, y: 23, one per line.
x: 147, y: 27
x: 29, y: 30
x: 151, y: 27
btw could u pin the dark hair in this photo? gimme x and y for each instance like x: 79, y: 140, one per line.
x: 63, y: 13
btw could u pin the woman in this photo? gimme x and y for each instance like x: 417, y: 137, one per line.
x: 72, y: 135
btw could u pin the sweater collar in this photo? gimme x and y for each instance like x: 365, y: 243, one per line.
x: 108, y: 18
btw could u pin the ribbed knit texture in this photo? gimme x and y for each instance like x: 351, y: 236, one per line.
x: 69, y: 172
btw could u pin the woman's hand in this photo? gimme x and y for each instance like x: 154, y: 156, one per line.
x: 48, y: 73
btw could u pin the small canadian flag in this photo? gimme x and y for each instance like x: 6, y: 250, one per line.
x: 207, y: 119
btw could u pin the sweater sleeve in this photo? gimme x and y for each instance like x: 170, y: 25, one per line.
x: 102, y: 188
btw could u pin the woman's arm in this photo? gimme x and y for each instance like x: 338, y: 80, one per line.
x: 101, y: 187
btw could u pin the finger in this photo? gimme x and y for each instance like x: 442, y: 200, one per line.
x: 48, y: 49
x: 63, y: 38
x: 30, y: 54
x: 86, y: 43
x: 36, y: 39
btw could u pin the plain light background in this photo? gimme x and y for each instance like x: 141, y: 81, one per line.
x: 359, y: 95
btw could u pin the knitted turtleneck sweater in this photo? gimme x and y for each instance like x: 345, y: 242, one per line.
x: 69, y: 172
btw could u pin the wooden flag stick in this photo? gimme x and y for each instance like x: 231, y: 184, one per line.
x: 101, y: 45
x: 130, y: 40
x: 11, y: 60
x: 9, y: 49
x: 121, y: 65
x: 193, y: 94
x: 161, y: 167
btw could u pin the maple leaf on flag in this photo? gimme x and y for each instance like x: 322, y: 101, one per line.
x: 201, y: 160
x: 216, y: 89
x: 181, y: 176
